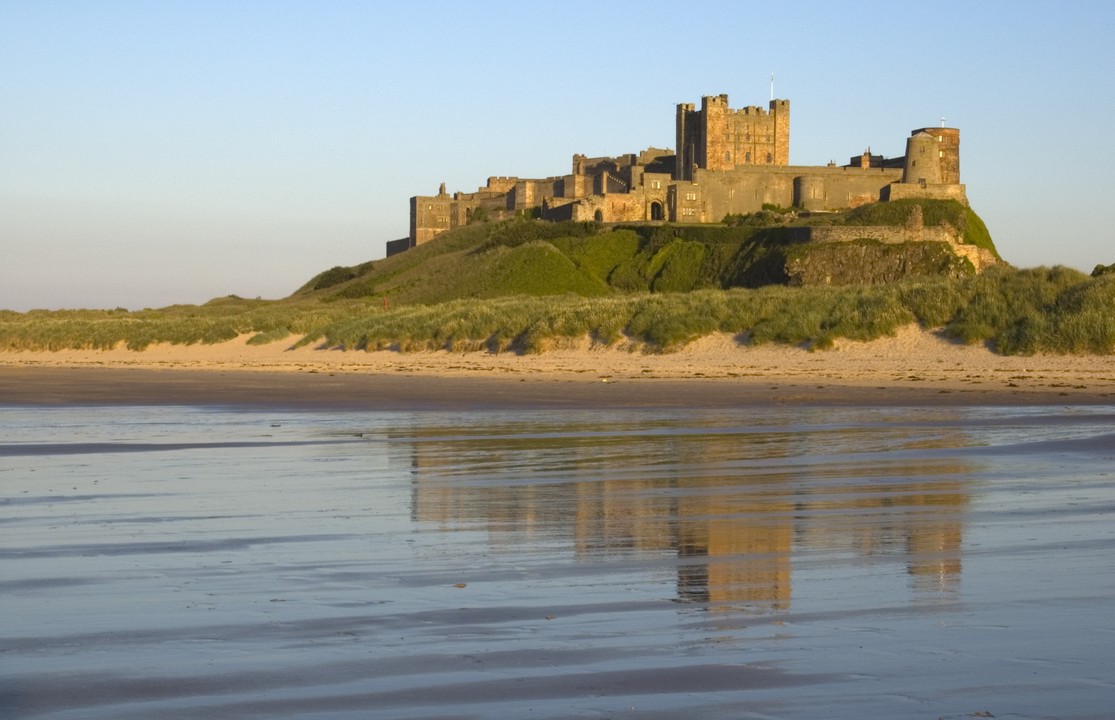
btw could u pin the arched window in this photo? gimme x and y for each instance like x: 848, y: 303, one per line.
x: 770, y: 158
x: 598, y: 216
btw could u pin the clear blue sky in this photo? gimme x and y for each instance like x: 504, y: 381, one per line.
x: 172, y: 152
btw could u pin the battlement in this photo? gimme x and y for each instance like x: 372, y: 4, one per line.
x: 501, y: 183
x: 716, y: 137
x: 728, y: 162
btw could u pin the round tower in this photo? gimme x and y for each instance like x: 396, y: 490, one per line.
x: 922, y: 164
x: 809, y: 192
x: 933, y: 157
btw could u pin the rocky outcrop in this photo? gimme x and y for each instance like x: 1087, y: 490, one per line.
x: 851, y: 253
x: 870, y: 261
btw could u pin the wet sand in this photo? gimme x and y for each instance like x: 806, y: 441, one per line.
x: 787, y: 562
x: 363, y: 390
x: 903, y: 528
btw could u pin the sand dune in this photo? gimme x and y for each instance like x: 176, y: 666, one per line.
x: 914, y: 355
x: 914, y: 360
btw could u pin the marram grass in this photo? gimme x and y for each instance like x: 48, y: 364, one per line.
x: 1041, y: 310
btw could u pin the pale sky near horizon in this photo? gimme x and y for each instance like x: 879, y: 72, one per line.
x: 173, y: 152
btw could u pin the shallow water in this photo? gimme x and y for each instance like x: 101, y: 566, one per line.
x: 777, y: 562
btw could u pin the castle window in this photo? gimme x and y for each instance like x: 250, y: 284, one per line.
x: 727, y: 157
x: 770, y: 158
x: 747, y: 157
x: 690, y: 196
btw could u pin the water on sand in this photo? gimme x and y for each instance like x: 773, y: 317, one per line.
x: 781, y: 562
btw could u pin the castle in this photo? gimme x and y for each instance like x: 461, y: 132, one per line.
x: 728, y: 162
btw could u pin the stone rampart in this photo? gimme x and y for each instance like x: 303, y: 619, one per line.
x: 501, y: 184
x: 883, y: 233
x: 888, y: 235
x: 904, y: 191
x: 394, y: 247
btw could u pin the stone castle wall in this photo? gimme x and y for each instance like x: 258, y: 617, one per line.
x: 888, y: 235
x: 903, y: 191
x: 883, y: 233
x: 729, y: 161
x: 712, y: 195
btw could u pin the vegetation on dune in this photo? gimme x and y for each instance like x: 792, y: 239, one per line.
x: 523, y: 286
x: 1050, y: 310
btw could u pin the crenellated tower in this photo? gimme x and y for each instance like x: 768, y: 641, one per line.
x: 718, y: 138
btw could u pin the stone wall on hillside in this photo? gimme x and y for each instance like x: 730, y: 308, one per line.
x: 870, y: 262
x: 947, y: 235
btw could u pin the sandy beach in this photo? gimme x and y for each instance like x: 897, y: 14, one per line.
x: 902, y: 528
x: 915, y: 367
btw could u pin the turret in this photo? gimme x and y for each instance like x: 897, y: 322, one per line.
x: 933, y: 157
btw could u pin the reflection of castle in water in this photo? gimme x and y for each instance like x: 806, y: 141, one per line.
x: 742, y: 558
x: 733, y: 533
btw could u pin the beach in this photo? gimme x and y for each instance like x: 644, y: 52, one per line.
x: 903, y: 528
x: 914, y: 367
x: 797, y: 561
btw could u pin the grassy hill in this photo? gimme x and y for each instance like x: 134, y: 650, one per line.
x: 539, y: 258
x: 522, y: 286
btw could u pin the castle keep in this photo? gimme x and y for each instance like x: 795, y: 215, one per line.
x: 728, y: 161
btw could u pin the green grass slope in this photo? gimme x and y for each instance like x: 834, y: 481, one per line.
x: 1051, y: 310
x: 522, y: 286
x: 527, y: 257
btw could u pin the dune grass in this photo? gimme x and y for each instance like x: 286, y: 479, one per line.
x: 1040, y: 310
x: 524, y: 286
